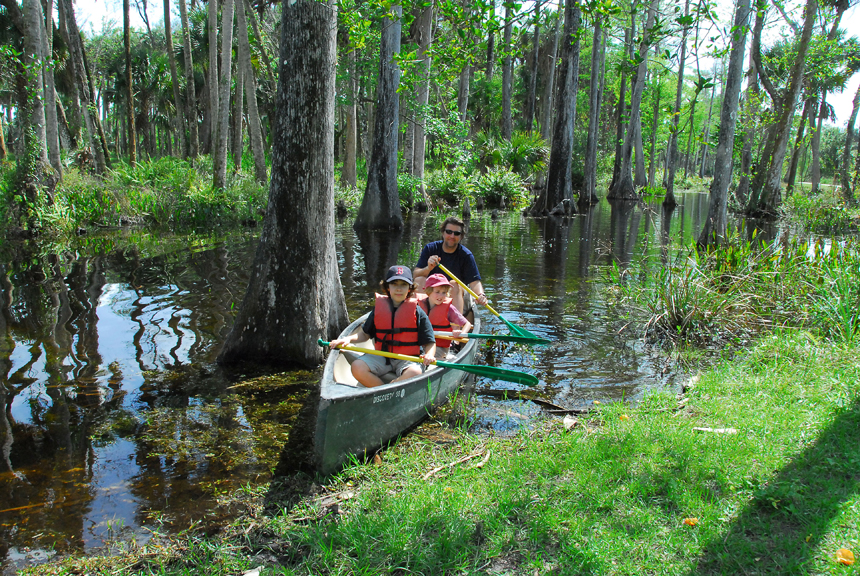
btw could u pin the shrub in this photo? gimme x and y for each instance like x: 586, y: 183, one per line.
x: 498, y: 186
x: 450, y: 186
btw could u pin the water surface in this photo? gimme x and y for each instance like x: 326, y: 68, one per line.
x: 114, y: 419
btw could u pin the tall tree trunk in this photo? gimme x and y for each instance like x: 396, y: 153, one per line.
x: 559, y: 184
x: 655, y: 117
x: 214, y: 107
x: 255, y: 128
x: 507, y: 76
x: 589, y: 192
x: 424, y: 30
x: 179, y: 120
x: 3, y: 152
x: 237, y: 142
x: 714, y: 230
x: 549, y: 87
x: 296, y: 260
x: 348, y: 175
x: 765, y: 200
x: 380, y: 207
x: 622, y: 108
x: 816, y: 144
x: 751, y: 114
x: 844, y: 168
x: 126, y: 42
x: 52, y: 126
x: 491, y: 45
x: 35, y: 115
x: 624, y: 187
x: 91, y: 121
x: 798, y: 144
x: 532, y: 96
x: 219, y: 153
x: 672, y: 153
x: 706, y: 136
x: 639, y: 178
x: 191, y: 91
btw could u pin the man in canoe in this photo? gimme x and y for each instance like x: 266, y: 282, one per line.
x: 397, y: 324
x: 455, y: 257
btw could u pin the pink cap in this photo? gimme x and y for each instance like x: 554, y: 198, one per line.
x: 436, y: 280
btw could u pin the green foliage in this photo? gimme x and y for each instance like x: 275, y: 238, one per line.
x: 450, y: 186
x: 653, y: 192
x: 408, y: 189
x: 822, y: 213
x: 500, y: 186
x: 448, y: 142
x: 526, y: 154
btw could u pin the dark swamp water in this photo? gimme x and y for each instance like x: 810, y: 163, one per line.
x: 115, y: 420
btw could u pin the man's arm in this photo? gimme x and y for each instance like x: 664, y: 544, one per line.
x: 426, y: 263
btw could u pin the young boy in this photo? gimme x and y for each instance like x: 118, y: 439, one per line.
x: 396, y: 324
x: 443, y: 316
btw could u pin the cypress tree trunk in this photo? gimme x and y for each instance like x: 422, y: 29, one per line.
x: 844, y: 171
x: 672, y: 153
x: 255, y: 128
x: 655, y: 114
x: 348, y: 174
x: 714, y: 230
x: 798, y: 145
x: 237, y: 141
x: 559, y: 184
x: 126, y: 41
x: 296, y: 262
x: 425, y: 38
x: 751, y: 109
x: 380, y: 207
x: 507, y: 77
x: 589, y: 192
x: 52, y: 125
x: 549, y: 88
x: 619, y: 126
x: 624, y: 187
x: 816, y: 144
x: 219, y: 152
x: 212, y: 8
x: 532, y: 96
x: 35, y: 109
x: 179, y: 120
x: 191, y: 91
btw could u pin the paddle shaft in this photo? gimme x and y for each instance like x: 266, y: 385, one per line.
x: 500, y: 337
x: 511, y: 326
x: 465, y: 287
x: 488, y: 371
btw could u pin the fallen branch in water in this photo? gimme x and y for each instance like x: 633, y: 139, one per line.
x: 509, y: 394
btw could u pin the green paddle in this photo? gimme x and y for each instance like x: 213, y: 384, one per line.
x: 488, y: 371
x: 517, y: 330
x: 501, y: 337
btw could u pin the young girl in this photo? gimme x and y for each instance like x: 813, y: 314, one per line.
x: 397, y: 325
x: 443, y: 316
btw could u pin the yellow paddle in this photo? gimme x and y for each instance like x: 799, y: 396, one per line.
x: 488, y: 371
x: 511, y: 326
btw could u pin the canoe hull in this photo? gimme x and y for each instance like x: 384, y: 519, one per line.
x: 354, y: 421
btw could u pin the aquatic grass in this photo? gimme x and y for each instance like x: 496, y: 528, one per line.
x: 733, y: 292
x: 821, y: 213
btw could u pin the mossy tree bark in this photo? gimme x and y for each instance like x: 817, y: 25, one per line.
x: 294, y: 295
x: 380, y: 207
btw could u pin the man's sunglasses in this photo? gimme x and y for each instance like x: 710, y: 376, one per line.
x: 453, y: 232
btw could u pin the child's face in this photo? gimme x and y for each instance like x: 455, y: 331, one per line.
x: 398, y: 290
x: 438, y: 295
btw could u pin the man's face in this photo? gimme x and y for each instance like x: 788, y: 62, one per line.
x: 451, y: 235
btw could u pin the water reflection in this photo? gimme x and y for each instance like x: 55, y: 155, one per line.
x: 113, y: 415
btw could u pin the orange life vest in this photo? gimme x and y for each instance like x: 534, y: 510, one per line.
x: 438, y: 317
x: 396, y: 329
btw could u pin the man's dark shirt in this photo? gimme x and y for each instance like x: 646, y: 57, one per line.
x: 461, y: 263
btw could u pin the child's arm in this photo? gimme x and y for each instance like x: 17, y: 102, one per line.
x: 357, y: 338
x: 429, y: 353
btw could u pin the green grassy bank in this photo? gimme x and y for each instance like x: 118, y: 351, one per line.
x: 610, y: 495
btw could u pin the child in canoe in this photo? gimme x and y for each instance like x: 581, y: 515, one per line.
x: 443, y: 316
x: 396, y: 324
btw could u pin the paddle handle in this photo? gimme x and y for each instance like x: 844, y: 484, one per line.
x: 376, y: 352
x: 450, y: 336
x: 469, y: 290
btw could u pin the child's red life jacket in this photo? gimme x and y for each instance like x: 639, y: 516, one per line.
x: 438, y: 317
x: 396, y: 328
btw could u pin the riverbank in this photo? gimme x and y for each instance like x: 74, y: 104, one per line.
x: 754, y: 469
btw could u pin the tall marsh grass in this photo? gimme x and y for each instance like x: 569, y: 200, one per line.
x: 736, y: 291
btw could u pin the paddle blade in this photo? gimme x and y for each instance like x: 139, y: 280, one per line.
x: 492, y: 372
x: 517, y: 330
